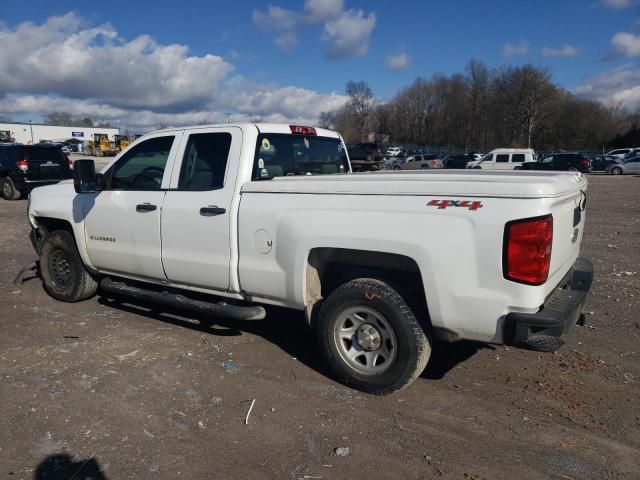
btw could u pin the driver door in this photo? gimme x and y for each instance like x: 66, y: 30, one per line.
x: 122, y: 222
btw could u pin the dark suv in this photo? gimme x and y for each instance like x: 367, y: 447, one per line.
x: 574, y: 162
x: 23, y: 167
x: 366, y: 156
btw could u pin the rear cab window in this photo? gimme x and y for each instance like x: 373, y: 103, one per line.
x: 502, y: 157
x: 517, y: 157
x: 282, y: 154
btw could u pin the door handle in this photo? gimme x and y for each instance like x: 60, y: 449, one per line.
x: 145, y: 207
x: 211, y: 211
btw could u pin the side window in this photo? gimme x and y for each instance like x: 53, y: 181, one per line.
x: 517, y: 157
x: 488, y: 158
x: 205, y: 161
x: 503, y: 157
x: 142, y: 167
x: 548, y: 159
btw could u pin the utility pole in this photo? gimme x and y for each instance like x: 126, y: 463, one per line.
x: 31, y: 129
x: 228, y: 114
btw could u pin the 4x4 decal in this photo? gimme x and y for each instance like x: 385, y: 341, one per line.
x: 442, y: 204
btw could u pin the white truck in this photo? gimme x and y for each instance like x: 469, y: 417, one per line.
x: 224, y: 219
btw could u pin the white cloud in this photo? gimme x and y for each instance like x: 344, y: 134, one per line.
x: 566, y: 51
x: 347, y: 31
x: 275, y: 18
x: 59, y: 56
x: 65, y: 65
x: 618, y: 4
x: 320, y: 10
x: 286, y: 41
x: 625, y: 44
x: 513, y: 49
x: 397, y: 62
x: 349, y: 34
x: 620, y: 85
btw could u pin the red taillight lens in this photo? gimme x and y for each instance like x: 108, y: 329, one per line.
x: 527, y: 250
x: 300, y: 130
x: 22, y: 165
x: 584, y: 162
x: 70, y: 163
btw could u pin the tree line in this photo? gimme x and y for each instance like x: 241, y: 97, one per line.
x: 484, y: 108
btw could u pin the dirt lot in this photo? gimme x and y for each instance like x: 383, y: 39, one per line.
x: 107, y: 390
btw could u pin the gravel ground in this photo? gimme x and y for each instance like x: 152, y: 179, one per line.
x: 102, y: 389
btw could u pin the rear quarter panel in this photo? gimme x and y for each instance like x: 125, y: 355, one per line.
x: 458, y: 251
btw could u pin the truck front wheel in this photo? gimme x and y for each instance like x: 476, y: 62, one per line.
x: 63, y: 273
x: 370, y: 337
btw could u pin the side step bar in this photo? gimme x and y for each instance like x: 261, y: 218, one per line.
x: 219, y: 309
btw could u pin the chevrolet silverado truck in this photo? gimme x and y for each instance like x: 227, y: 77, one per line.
x: 226, y: 219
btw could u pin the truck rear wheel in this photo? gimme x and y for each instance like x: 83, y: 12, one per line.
x: 9, y: 190
x: 370, y: 337
x: 63, y: 273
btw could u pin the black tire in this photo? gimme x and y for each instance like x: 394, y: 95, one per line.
x: 396, y: 168
x: 64, y: 275
x: 616, y: 171
x: 425, y: 167
x: 9, y: 190
x: 412, y: 346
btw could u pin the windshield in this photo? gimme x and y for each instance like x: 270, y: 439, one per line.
x: 280, y: 155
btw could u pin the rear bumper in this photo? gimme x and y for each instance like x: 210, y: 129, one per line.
x: 561, y: 310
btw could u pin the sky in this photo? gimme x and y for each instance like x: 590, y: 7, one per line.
x: 146, y: 64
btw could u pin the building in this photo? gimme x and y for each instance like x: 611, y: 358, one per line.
x: 28, y: 133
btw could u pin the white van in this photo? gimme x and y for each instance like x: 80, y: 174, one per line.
x: 504, y: 159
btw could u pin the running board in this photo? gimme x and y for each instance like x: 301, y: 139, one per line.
x: 219, y: 309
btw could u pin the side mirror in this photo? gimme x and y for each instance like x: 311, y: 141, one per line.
x: 84, y: 176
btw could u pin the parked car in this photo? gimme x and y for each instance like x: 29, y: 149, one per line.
x: 394, y: 163
x: 422, y: 162
x: 505, y: 159
x: 24, y: 167
x: 394, y: 151
x: 599, y: 163
x: 619, y: 152
x: 366, y: 157
x: 573, y: 162
x: 457, y: 161
x: 381, y: 264
x: 634, y: 152
x: 628, y: 165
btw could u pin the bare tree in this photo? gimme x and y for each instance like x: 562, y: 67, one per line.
x: 361, y: 99
x: 326, y: 119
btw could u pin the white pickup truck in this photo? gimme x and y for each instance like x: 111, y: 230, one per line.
x: 382, y: 263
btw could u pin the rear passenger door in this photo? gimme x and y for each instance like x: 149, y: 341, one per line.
x: 196, y: 221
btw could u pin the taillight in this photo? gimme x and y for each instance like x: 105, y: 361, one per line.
x: 527, y: 250
x: 299, y: 130
x: 23, y: 165
x: 70, y: 163
x: 584, y: 162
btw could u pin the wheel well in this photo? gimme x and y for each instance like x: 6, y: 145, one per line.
x: 328, y: 268
x: 46, y: 225
x: 51, y: 224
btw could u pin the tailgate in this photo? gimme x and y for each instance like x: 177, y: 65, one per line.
x: 46, y: 164
x: 568, y: 227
